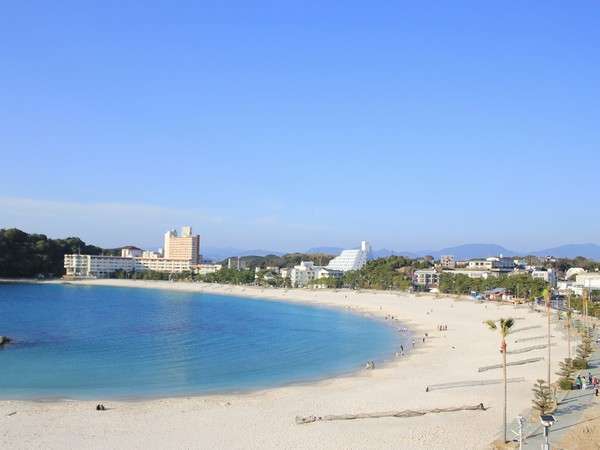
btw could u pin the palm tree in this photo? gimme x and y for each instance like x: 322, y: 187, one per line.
x: 503, y: 326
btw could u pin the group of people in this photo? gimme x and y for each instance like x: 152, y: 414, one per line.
x: 585, y: 382
x: 442, y: 327
x: 370, y: 365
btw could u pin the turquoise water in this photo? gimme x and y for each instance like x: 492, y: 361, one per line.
x: 107, y: 342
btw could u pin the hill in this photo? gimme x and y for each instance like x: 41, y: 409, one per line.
x: 591, y: 251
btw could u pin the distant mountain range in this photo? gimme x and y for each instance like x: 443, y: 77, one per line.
x: 466, y: 251
x: 591, y: 251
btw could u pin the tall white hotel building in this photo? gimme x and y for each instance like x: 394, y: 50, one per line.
x: 181, y: 254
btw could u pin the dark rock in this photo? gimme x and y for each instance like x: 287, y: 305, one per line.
x: 5, y: 340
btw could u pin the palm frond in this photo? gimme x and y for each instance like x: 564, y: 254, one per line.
x: 491, y: 324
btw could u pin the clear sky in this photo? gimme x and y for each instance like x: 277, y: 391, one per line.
x: 284, y: 125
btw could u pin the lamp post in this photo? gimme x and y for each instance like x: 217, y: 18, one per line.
x: 547, y: 421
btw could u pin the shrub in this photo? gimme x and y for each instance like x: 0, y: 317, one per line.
x: 566, y: 384
x: 580, y: 363
x: 542, y: 401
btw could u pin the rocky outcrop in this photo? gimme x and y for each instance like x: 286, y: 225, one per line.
x: 5, y: 340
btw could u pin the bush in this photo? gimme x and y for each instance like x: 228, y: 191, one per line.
x: 566, y: 384
x: 542, y: 401
x: 580, y: 363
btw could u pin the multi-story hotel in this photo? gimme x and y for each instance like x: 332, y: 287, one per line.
x: 181, y: 255
x: 186, y: 246
x: 351, y: 259
x: 97, y: 266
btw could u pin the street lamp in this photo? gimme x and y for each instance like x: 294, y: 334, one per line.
x: 547, y: 421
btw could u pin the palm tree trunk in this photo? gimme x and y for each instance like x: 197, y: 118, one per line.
x: 569, y: 339
x: 505, y: 384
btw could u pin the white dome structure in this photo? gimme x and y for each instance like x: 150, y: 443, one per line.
x: 573, y: 271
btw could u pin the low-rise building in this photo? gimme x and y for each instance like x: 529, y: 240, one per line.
x: 97, y: 266
x: 306, y: 272
x: 131, y: 252
x: 498, y: 264
x: 473, y: 273
x: 151, y: 254
x: 548, y: 275
x: 203, y: 269
x: 426, y: 277
x: 447, y: 262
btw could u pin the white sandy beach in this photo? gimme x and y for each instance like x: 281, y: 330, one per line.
x: 265, y: 419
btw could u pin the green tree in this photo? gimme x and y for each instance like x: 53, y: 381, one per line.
x: 503, y: 326
x: 542, y: 397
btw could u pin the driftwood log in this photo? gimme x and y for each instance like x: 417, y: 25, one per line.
x: 405, y: 413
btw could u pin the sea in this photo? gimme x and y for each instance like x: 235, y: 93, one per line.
x: 99, y: 342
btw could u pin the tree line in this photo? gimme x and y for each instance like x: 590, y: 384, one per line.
x: 24, y: 255
x: 522, y: 285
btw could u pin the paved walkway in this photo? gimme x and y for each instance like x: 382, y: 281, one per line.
x: 569, y: 413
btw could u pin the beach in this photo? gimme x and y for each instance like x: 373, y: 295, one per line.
x: 266, y: 419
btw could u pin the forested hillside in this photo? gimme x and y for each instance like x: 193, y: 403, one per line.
x: 24, y: 255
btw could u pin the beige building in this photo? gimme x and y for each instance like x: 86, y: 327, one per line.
x: 447, y: 262
x: 184, y: 247
x: 96, y: 266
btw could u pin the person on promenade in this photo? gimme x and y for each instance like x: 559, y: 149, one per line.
x: 578, y: 382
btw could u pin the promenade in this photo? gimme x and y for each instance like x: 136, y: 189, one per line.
x: 570, y: 412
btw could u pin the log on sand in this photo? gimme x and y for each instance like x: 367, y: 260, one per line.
x: 405, y: 413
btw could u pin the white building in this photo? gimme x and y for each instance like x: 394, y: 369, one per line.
x: 131, y: 252
x: 426, y: 277
x: 351, y: 259
x: 548, y: 275
x: 183, y: 251
x: 588, y: 280
x: 302, y: 274
x: 473, y: 273
x: 96, y: 266
x: 203, y: 269
x: 493, y: 263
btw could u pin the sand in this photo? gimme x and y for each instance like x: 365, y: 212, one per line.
x: 265, y: 419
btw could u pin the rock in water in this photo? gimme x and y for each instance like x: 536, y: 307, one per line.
x: 4, y: 340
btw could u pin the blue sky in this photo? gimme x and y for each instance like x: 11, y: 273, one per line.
x: 285, y: 125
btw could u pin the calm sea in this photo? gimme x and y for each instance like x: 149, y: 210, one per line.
x: 108, y: 342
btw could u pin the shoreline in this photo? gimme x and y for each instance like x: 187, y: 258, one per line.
x: 264, y: 418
